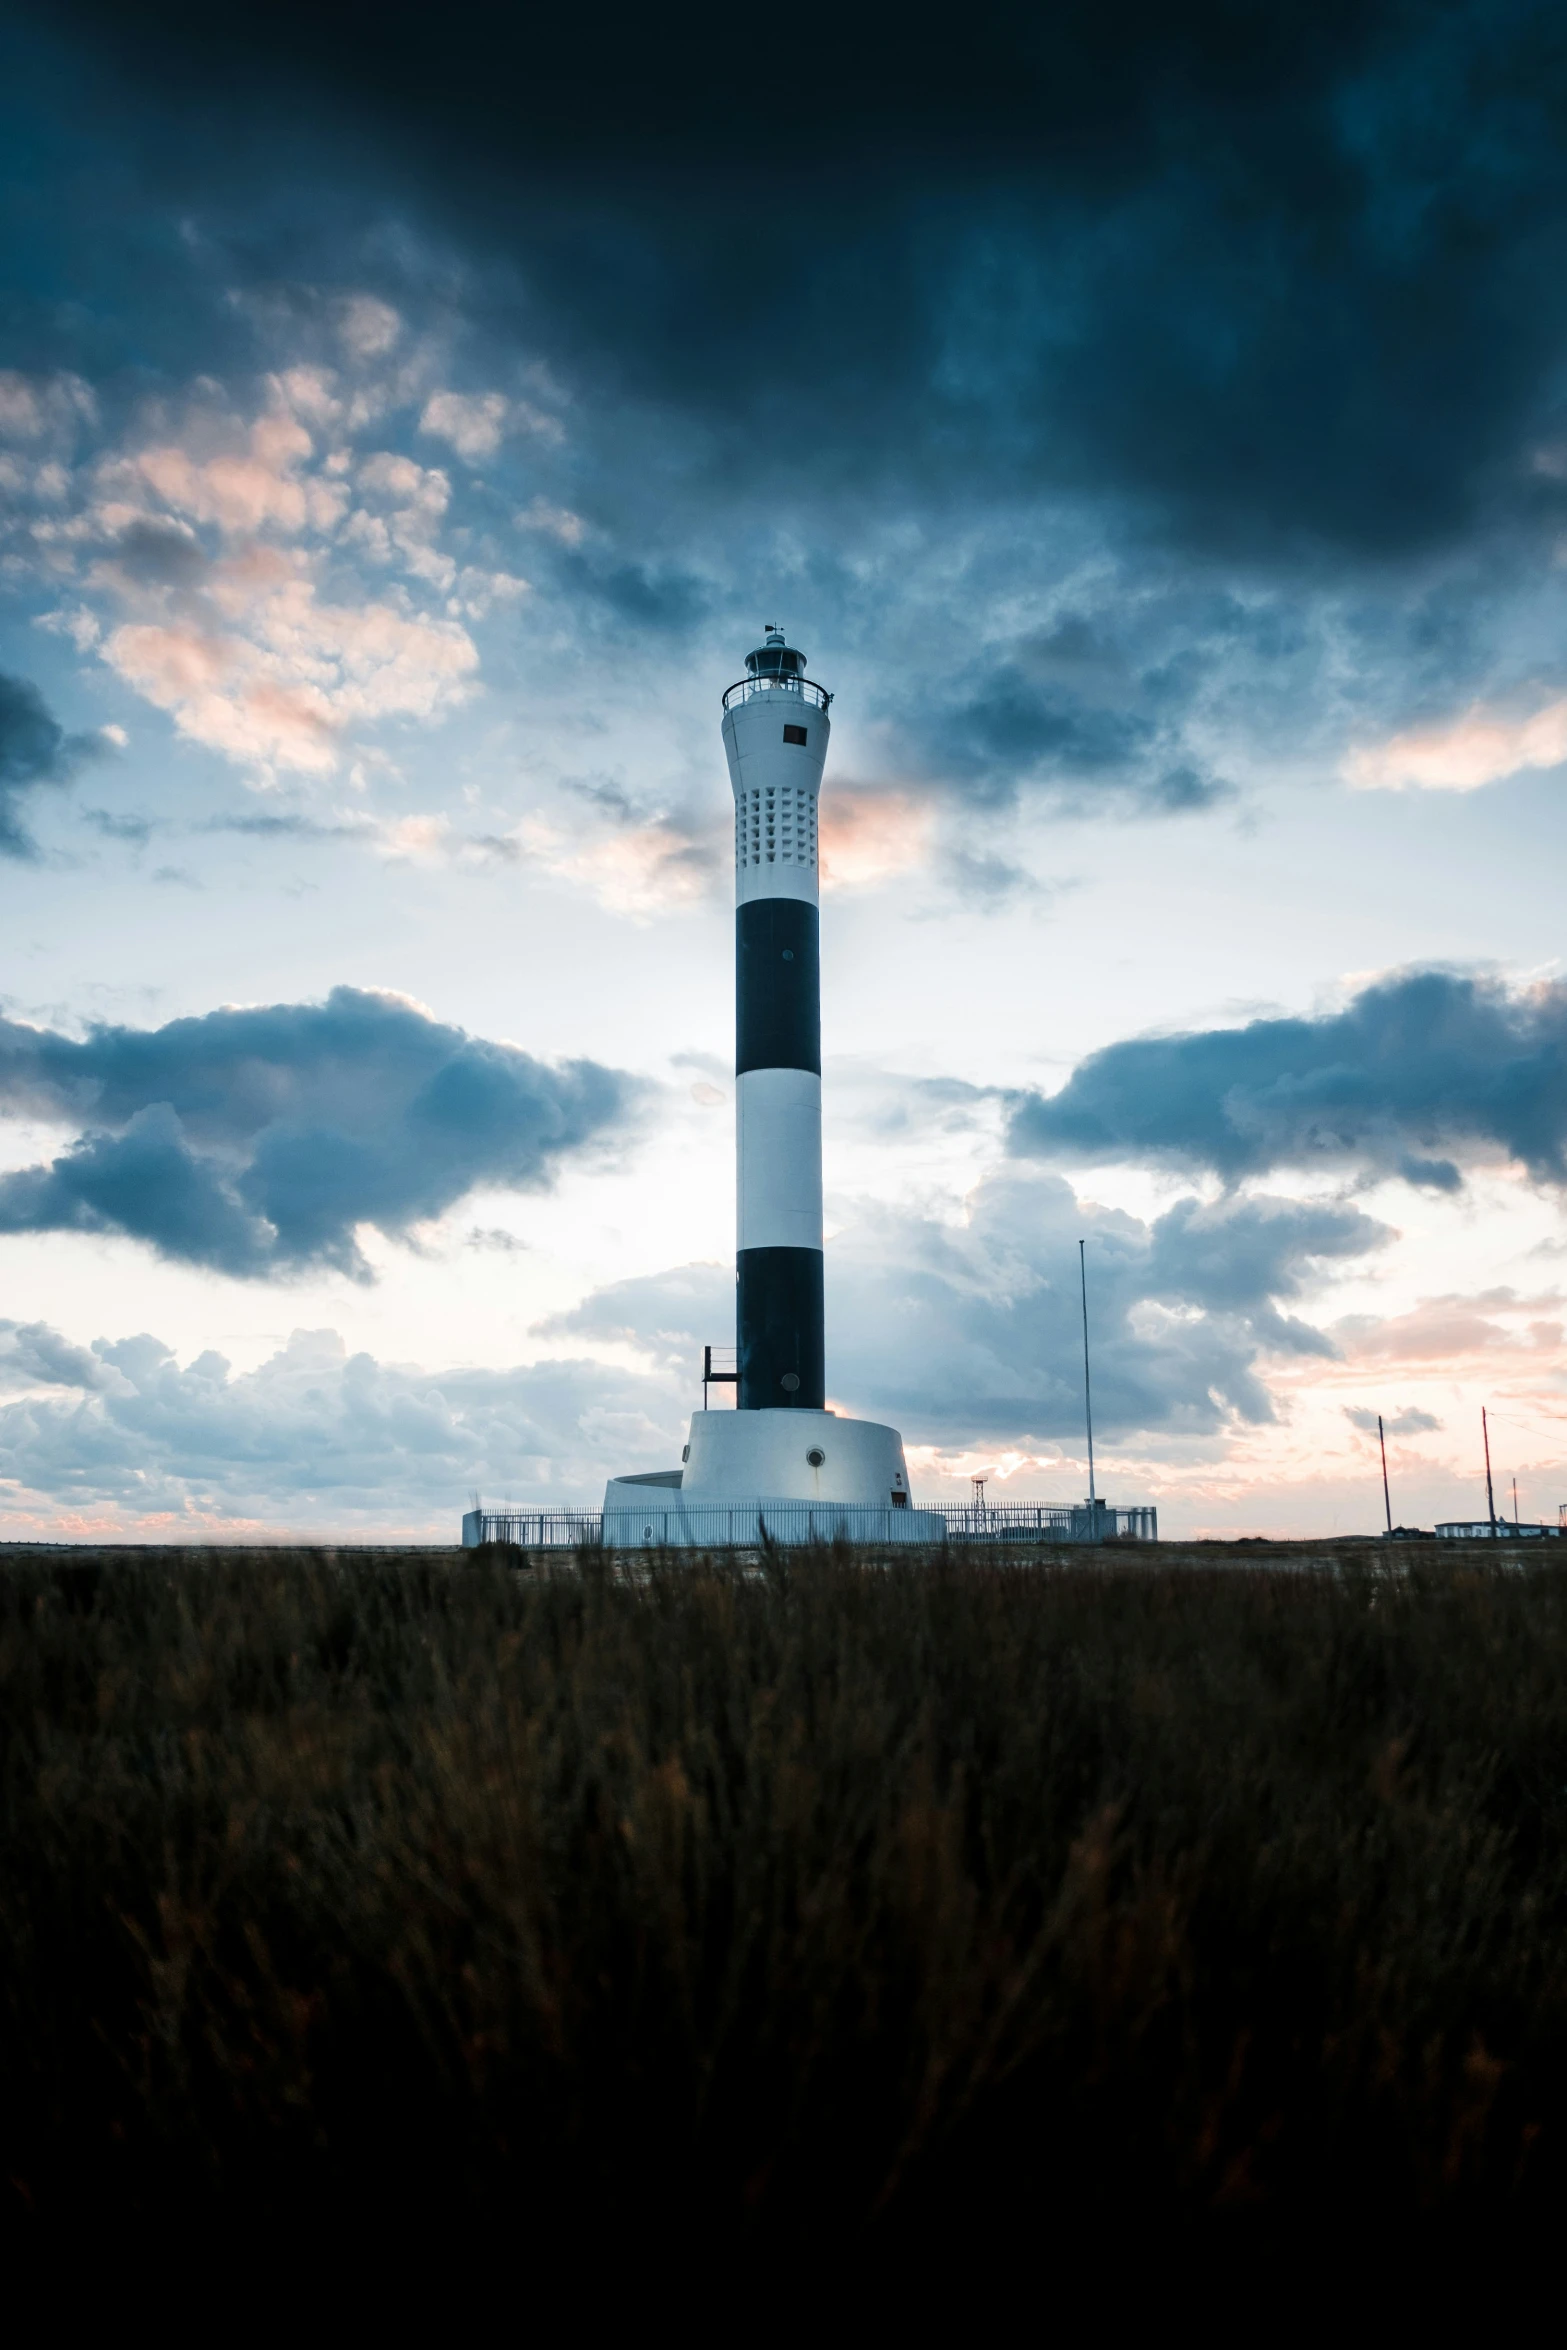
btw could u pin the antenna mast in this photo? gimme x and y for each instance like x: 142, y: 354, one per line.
x: 1386, y: 1501
x: 1490, y: 1498
x: 1088, y: 1393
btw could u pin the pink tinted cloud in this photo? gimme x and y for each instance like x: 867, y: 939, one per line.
x: 266, y: 672
x: 1478, y: 748
x: 643, y: 868
x: 254, y: 489
x: 872, y: 834
x: 1451, y: 1331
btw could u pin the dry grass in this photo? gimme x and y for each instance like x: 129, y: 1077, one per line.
x: 782, y: 1912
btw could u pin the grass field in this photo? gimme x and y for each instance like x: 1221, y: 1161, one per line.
x: 817, y: 1908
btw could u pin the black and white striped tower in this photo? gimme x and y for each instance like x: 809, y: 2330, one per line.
x: 776, y: 731
x: 782, y: 1461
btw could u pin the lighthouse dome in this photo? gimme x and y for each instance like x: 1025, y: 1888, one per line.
x: 774, y: 658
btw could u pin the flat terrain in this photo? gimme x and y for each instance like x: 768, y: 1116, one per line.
x: 786, y: 1911
x: 1366, y: 1552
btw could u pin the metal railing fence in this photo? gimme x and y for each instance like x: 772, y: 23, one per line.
x: 724, y: 1526
x: 534, y: 1529
x: 1504, y: 1530
x: 1051, y: 1522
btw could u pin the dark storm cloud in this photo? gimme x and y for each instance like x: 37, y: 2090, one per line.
x: 134, y: 831
x: 973, y: 1332
x: 1417, y: 1073
x: 1079, y: 314
x: 257, y: 1140
x: 290, y: 827
x: 35, y: 750
x: 1016, y: 730
x: 1288, y: 276
x: 638, y: 596
x: 987, y: 881
x: 671, y: 1315
x: 161, y: 555
x: 1405, y: 1423
x: 963, y: 1332
x: 1095, y: 710
x: 34, y: 1355
x: 1017, y: 726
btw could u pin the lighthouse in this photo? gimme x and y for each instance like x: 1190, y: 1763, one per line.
x: 776, y: 730
x: 781, y: 1464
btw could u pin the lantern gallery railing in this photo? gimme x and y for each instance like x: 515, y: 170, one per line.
x: 665, y: 1523
x: 798, y: 688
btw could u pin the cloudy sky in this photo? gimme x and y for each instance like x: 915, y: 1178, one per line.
x: 1152, y: 423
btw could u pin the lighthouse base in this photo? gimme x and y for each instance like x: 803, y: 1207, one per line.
x: 772, y: 1476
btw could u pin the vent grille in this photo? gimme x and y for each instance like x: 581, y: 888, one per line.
x: 775, y: 825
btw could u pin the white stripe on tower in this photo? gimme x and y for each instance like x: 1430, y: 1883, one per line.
x: 779, y: 1138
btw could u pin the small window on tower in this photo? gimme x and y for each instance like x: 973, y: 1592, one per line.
x: 794, y: 734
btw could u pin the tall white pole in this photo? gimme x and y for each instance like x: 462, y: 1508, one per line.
x: 1088, y: 1393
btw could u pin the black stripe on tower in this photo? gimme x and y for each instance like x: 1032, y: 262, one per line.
x: 780, y: 1317
x: 781, y: 1322
x: 778, y: 986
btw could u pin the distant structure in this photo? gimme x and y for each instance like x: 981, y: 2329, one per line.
x: 781, y: 1466
x: 1490, y: 1530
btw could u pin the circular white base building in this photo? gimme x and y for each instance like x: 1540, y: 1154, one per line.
x: 785, y: 1476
